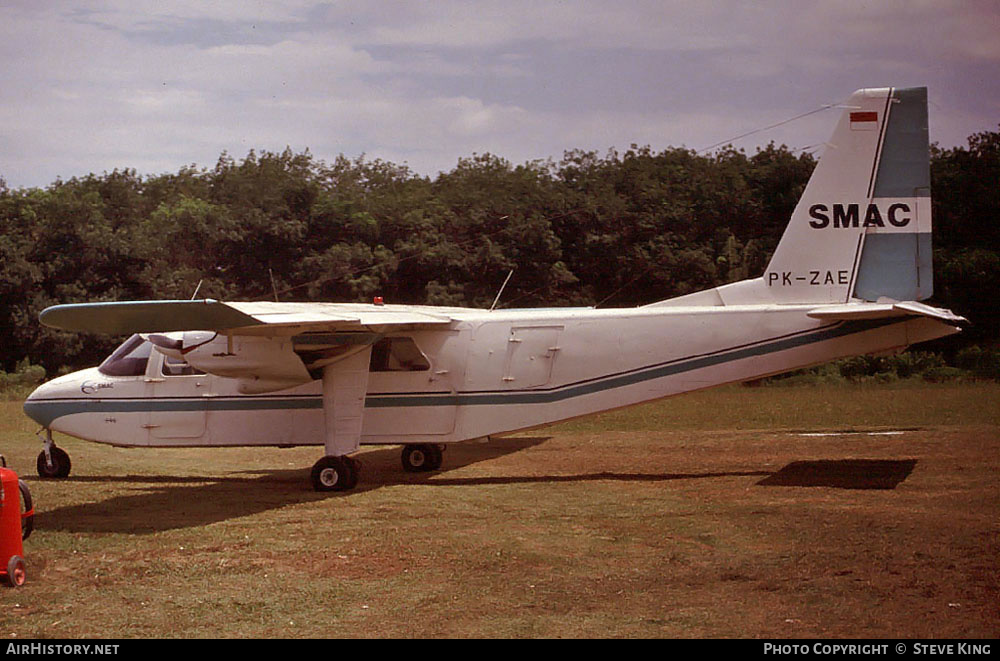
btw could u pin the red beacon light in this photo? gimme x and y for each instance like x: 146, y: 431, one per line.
x: 378, y: 301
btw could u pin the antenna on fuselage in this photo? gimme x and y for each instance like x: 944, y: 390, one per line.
x: 274, y: 287
x: 495, y: 300
x: 197, y: 288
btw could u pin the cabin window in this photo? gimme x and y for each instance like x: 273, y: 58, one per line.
x: 398, y: 354
x: 129, y: 359
x: 178, y: 367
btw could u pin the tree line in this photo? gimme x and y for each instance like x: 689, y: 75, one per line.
x: 613, y: 229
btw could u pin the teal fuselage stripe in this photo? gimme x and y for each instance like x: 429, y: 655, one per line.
x: 610, y: 382
x: 46, y: 411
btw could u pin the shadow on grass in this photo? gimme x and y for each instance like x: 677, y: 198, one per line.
x: 153, y: 503
x: 842, y: 474
x: 587, y: 477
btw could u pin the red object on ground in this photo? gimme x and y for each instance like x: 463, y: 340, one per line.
x: 15, y: 526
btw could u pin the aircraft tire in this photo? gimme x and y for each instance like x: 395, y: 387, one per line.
x: 420, y: 458
x: 61, y: 464
x: 334, y: 474
x: 436, y: 457
x: 355, y: 471
x: 27, y: 522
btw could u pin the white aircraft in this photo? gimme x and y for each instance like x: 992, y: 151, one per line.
x: 845, y: 280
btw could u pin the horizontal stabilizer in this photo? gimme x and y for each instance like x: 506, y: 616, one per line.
x: 852, y: 311
x: 256, y: 318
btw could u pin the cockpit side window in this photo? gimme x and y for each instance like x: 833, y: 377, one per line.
x: 398, y: 354
x: 129, y: 359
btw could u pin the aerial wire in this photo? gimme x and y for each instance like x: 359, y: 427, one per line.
x: 825, y: 106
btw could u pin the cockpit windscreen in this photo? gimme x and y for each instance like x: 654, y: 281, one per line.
x: 129, y: 359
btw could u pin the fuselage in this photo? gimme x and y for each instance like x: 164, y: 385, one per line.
x: 485, y: 373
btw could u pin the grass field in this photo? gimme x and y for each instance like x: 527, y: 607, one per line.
x: 730, y: 513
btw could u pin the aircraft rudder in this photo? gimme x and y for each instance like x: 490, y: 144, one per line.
x: 896, y: 261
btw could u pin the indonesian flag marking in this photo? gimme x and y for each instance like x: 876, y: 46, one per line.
x: 864, y: 121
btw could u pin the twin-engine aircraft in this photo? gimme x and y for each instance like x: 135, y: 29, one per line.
x: 845, y: 280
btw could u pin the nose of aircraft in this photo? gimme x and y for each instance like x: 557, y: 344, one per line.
x: 53, y: 399
x: 38, y: 406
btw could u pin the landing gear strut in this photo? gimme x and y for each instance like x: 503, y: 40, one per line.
x: 52, y: 461
x: 345, y: 382
x: 422, y: 458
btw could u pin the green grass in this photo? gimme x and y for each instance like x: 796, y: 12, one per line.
x: 909, y: 403
x: 646, y: 522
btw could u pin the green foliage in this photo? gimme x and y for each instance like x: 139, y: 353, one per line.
x: 966, y: 185
x: 972, y: 363
x: 963, y: 279
x: 23, y: 379
x: 617, y: 229
x: 887, y: 368
x: 981, y: 363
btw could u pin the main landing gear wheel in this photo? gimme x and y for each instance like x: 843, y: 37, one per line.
x: 60, y: 463
x: 422, y: 458
x: 335, y: 473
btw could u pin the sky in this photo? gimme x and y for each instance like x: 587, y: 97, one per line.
x: 90, y: 87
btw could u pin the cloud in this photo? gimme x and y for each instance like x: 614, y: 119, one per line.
x: 158, y: 85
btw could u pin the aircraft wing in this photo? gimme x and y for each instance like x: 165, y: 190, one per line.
x: 852, y: 311
x: 255, y: 318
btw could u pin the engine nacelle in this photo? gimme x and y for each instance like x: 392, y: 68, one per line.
x: 260, y: 364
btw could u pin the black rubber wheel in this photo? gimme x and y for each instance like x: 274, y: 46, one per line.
x: 355, y: 473
x: 436, y: 455
x: 421, y: 458
x: 16, y: 575
x: 334, y: 474
x: 60, y: 464
x: 27, y: 522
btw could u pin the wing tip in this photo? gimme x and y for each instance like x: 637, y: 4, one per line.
x: 125, y: 317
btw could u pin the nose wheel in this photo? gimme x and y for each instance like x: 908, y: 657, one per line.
x: 53, y: 462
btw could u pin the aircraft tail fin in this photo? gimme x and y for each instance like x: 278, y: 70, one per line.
x: 862, y: 228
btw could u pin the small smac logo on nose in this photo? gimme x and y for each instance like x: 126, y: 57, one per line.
x: 90, y: 387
